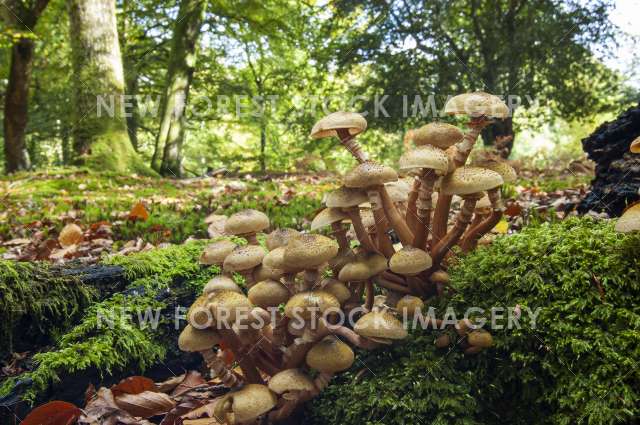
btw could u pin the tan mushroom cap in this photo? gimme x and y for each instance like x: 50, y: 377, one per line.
x: 199, y: 315
x: 345, y: 197
x: 71, y: 234
x: 275, y: 258
x: 251, y: 401
x: 484, y: 203
x: 507, y: 172
x: 245, y: 222
x: 280, y: 237
x: 338, y: 289
x: 192, y: 339
x: 439, y: 276
x: 330, y: 355
x: 327, y: 126
x: 398, y: 191
x: 477, y: 104
x: 468, y: 180
x: 368, y: 174
x: 244, y: 258
x: 215, y: 253
x: 326, y: 217
x: 308, y: 251
x: 263, y: 272
x: 380, y: 324
x: 363, y: 267
x: 225, y: 306
x: 221, y: 283
x: 305, y: 304
x: 635, y: 146
x: 480, y: 338
x: 290, y: 380
x: 438, y: 134
x: 424, y: 157
x: 409, y: 304
x: 630, y: 220
x: 409, y: 261
x: 268, y: 293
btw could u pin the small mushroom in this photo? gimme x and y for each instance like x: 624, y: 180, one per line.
x: 246, y: 224
x: 410, y: 261
x: 635, y: 146
x: 438, y: 134
x: 306, y: 304
x: 345, y: 126
x: 268, y: 294
x: 362, y: 269
x: 245, y: 405
x: 380, y: 326
x: 328, y: 357
x: 215, y: 253
x: 630, y: 220
x: 309, y: 252
x: 280, y: 237
x: 71, y: 234
x: 408, y: 305
x: 333, y: 217
x: 348, y: 200
x: 243, y: 260
x: 275, y: 260
x: 480, y: 338
x: 221, y: 283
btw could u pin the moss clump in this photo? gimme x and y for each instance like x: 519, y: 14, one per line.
x: 577, y: 365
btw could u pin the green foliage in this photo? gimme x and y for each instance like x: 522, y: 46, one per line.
x: 577, y: 365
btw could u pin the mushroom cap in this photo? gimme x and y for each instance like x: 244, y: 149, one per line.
x: 483, y: 203
x: 439, y: 276
x: 290, y: 380
x: 424, y: 157
x: 268, y: 293
x: 308, y: 251
x: 221, y: 283
x: 326, y: 217
x: 338, y: 289
x: 480, y: 338
x: 71, y: 234
x: 363, y: 267
x: 635, y: 146
x: 216, y: 252
x: 243, y: 258
x: 263, y: 272
x: 409, y: 261
x: 438, y: 134
x: 330, y: 355
x: 192, y: 339
x: 410, y: 304
x: 246, y: 221
x: 398, y: 191
x: 345, y: 197
x: 368, y: 174
x: 275, y: 258
x: 280, y: 237
x: 252, y: 401
x: 327, y: 126
x: 630, y: 220
x: 477, y: 104
x: 226, y: 305
x: 305, y: 304
x: 468, y: 180
x: 507, y: 172
x: 380, y: 324
x: 199, y: 315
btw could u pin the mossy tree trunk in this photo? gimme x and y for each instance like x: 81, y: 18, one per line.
x: 100, y: 137
x: 182, y: 63
x: 22, y: 17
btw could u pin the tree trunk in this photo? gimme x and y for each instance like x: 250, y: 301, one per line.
x: 100, y: 137
x: 500, y: 135
x: 179, y: 76
x: 263, y: 146
x: 16, y: 106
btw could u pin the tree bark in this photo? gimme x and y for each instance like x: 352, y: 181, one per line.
x: 182, y: 63
x: 100, y: 137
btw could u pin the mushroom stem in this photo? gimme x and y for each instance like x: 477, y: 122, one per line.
x: 396, y: 221
x: 219, y: 369
x: 361, y: 232
x: 248, y: 277
x: 348, y: 334
x: 389, y: 275
x: 280, y: 329
x: 349, y: 141
x: 320, y: 383
x: 368, y: 304
x: 470, y: 241
x: 340, y: 233
x: 424, y: 207
x: 381, y: 224
x: 264, y: 363
x: 251, y: 238
x: 392, y: 286
x: 412, y: 216
x: 295, y: 353
x: 451, y: 238
x: 288, y: 404
x: 249, y: 370
x: 311, y: 277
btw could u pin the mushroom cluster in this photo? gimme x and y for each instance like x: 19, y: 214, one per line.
x: 311, y: 297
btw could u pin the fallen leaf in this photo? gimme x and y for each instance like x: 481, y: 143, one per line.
x: 138, y: 212
x: 513, y: 209
x: 168, y: 385
x: 145, y: 404
x: 17, y: 241
x: 133, y: 385
x: 71, y: 234
x: 53, y: 413
x: 191, y: 380
x: 502, y: 227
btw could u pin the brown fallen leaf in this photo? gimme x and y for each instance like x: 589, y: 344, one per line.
x: 138, y: 212
x: 168, y: 385
x: 145, y: 404
x: 71, y: 234
x: 17, y: 241
x: 59, y: 254
x: 133, y: 385
x: 103, y: 410
x: 185, y: 406
x: 53, y: 413
x: 191, y: 380
x: 206, y: 411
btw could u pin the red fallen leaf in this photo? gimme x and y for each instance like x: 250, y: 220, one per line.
x: 95, y: 226
x: 145, y: 404
x: 513, y: 209
x: 191, y: 380
x: 53, y: 413
x: 133, y: 385
x: 138, y: 212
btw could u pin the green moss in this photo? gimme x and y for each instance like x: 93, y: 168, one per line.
x: 578, y: 365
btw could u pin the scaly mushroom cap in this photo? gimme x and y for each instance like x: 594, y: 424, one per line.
x: 398, y: 191
x: 630, y: 220
x: 345, y: 197
x: 467, y: 180
x: 221, y: 283
x: 438, y: 134
x: 409, y: 304
x: 409, y: 261
x: 250, y: 402
x: 71, y: 234
x: 215, y: 253
x: 377, y: 263
x: 199, y: 315
x: 245, y: 222
x: 243, y: 258
x: 363, y: 267
x: 370, y: 174
x: 326, y: 217
x: 308, y: 251
x: 330, y: 355
x: 480, y: 338
x: 192, y: 339
x: 327, y: 126
x: 477, y: 104
x: 280, y: 237
x: 338, y: 289
x: 380, y: 324
x: 225, y: 306
x: 507, y: 172
x: 263, y: 272
x: 424, y: 157
x: 275, y: 258
x: 290, y: 380
x: 268, y: 293
x: 635, y: 146
x: 306, y: 304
